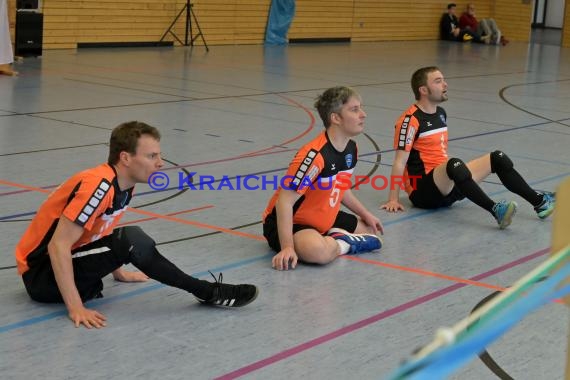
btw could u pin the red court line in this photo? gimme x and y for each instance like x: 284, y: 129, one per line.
x: 171, y: 214
x: 21, y: 186
x: 263, y: 151
x: 241, y: 156
x: 429, y: 274
x: 373, y: 319
x: 198, y: 224
x: 245, y: 155
x: 254, y: 153
x: 155, y: 215
x: 25, y: 191
x: 307, y: 111
x: 424, y: 272
x: 152, y: 215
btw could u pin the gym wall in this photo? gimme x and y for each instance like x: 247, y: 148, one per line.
x: 68, y: 22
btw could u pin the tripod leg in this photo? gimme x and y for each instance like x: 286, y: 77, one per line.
x: 200, y: 34
x: 188, y: 7
x: 169, y: 30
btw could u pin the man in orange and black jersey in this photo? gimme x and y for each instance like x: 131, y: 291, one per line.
x: 303, y: 220
x: 420, y: 140
x: 72, y: 242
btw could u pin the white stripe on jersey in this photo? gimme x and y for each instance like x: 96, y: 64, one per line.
x: 433, y: 132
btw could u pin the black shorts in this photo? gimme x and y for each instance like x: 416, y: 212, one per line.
x: 343, y: 220
x: 427, y: 195
x: 91, y: 263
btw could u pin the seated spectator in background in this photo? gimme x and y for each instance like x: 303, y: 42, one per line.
x: 450, y: 30
x: 487, y: 27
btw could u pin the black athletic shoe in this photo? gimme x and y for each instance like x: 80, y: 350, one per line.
x: 228, y: 295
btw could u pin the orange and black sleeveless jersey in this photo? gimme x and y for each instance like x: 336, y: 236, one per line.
x: 425, y: 137
x: 91, y: 199
x: 321, y: 174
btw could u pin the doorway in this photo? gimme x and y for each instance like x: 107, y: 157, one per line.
x: 547, y: 22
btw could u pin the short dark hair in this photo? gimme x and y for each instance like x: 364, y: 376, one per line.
x: 125, y: 137
x: 419, y: 79
x: 451, y: 5
x: 331, y: 101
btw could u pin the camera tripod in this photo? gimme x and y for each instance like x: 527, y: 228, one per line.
x: 188, y: 30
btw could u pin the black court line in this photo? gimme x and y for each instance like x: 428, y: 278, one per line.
x: 71, y: 122
x: 502, y: 95
x: 474, y: 135
x: 235, y: 96
x: 369, y: 174
x: 181, y: 239
x: 97, y: 107
x: 168, y: 87
x: 50, y: 149
x: 130, y: 88
x: 378, y: 151
x: 555, y: 132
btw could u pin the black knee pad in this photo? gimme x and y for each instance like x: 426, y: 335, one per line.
x: 500, y: 162
x: 457, y: 170
x: 134, y: 245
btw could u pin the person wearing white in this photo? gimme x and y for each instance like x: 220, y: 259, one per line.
x: 6, y: 53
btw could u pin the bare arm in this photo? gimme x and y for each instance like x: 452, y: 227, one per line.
x: 398, y: 167
x: 59, y: 249
x: 284, y: 209
x: 354, y: 205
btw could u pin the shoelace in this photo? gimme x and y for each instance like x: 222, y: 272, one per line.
x: 219, y: 279
x: 353, y: 237
x: 222, y: 296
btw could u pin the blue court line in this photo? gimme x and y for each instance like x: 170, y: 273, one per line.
x: 504, y: 190
x: 237, y: 264
x: 362, y: 155
x: 173, y: 188
x: 471, y: 136
x: 133, y: 293
x: 17, y: 215
x: 555, y: 132
x: 513, y: 155
x: 200, y: 185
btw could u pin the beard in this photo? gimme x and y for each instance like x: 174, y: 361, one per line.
x: 437, y: 99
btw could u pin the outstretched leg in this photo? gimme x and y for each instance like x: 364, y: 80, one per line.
x: 502, y: 165
x: 456, y: 173
x: 136, y: 247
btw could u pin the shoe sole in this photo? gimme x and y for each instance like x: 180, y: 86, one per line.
x: 546, y: 214
x: 252, y: 299
x: 508, y: 218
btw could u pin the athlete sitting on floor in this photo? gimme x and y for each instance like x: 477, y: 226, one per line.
x: 303, y: 221
x: 72, y: 244
x: 420, y: 140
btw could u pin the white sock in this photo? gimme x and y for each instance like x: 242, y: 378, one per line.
x: 344, y: 246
